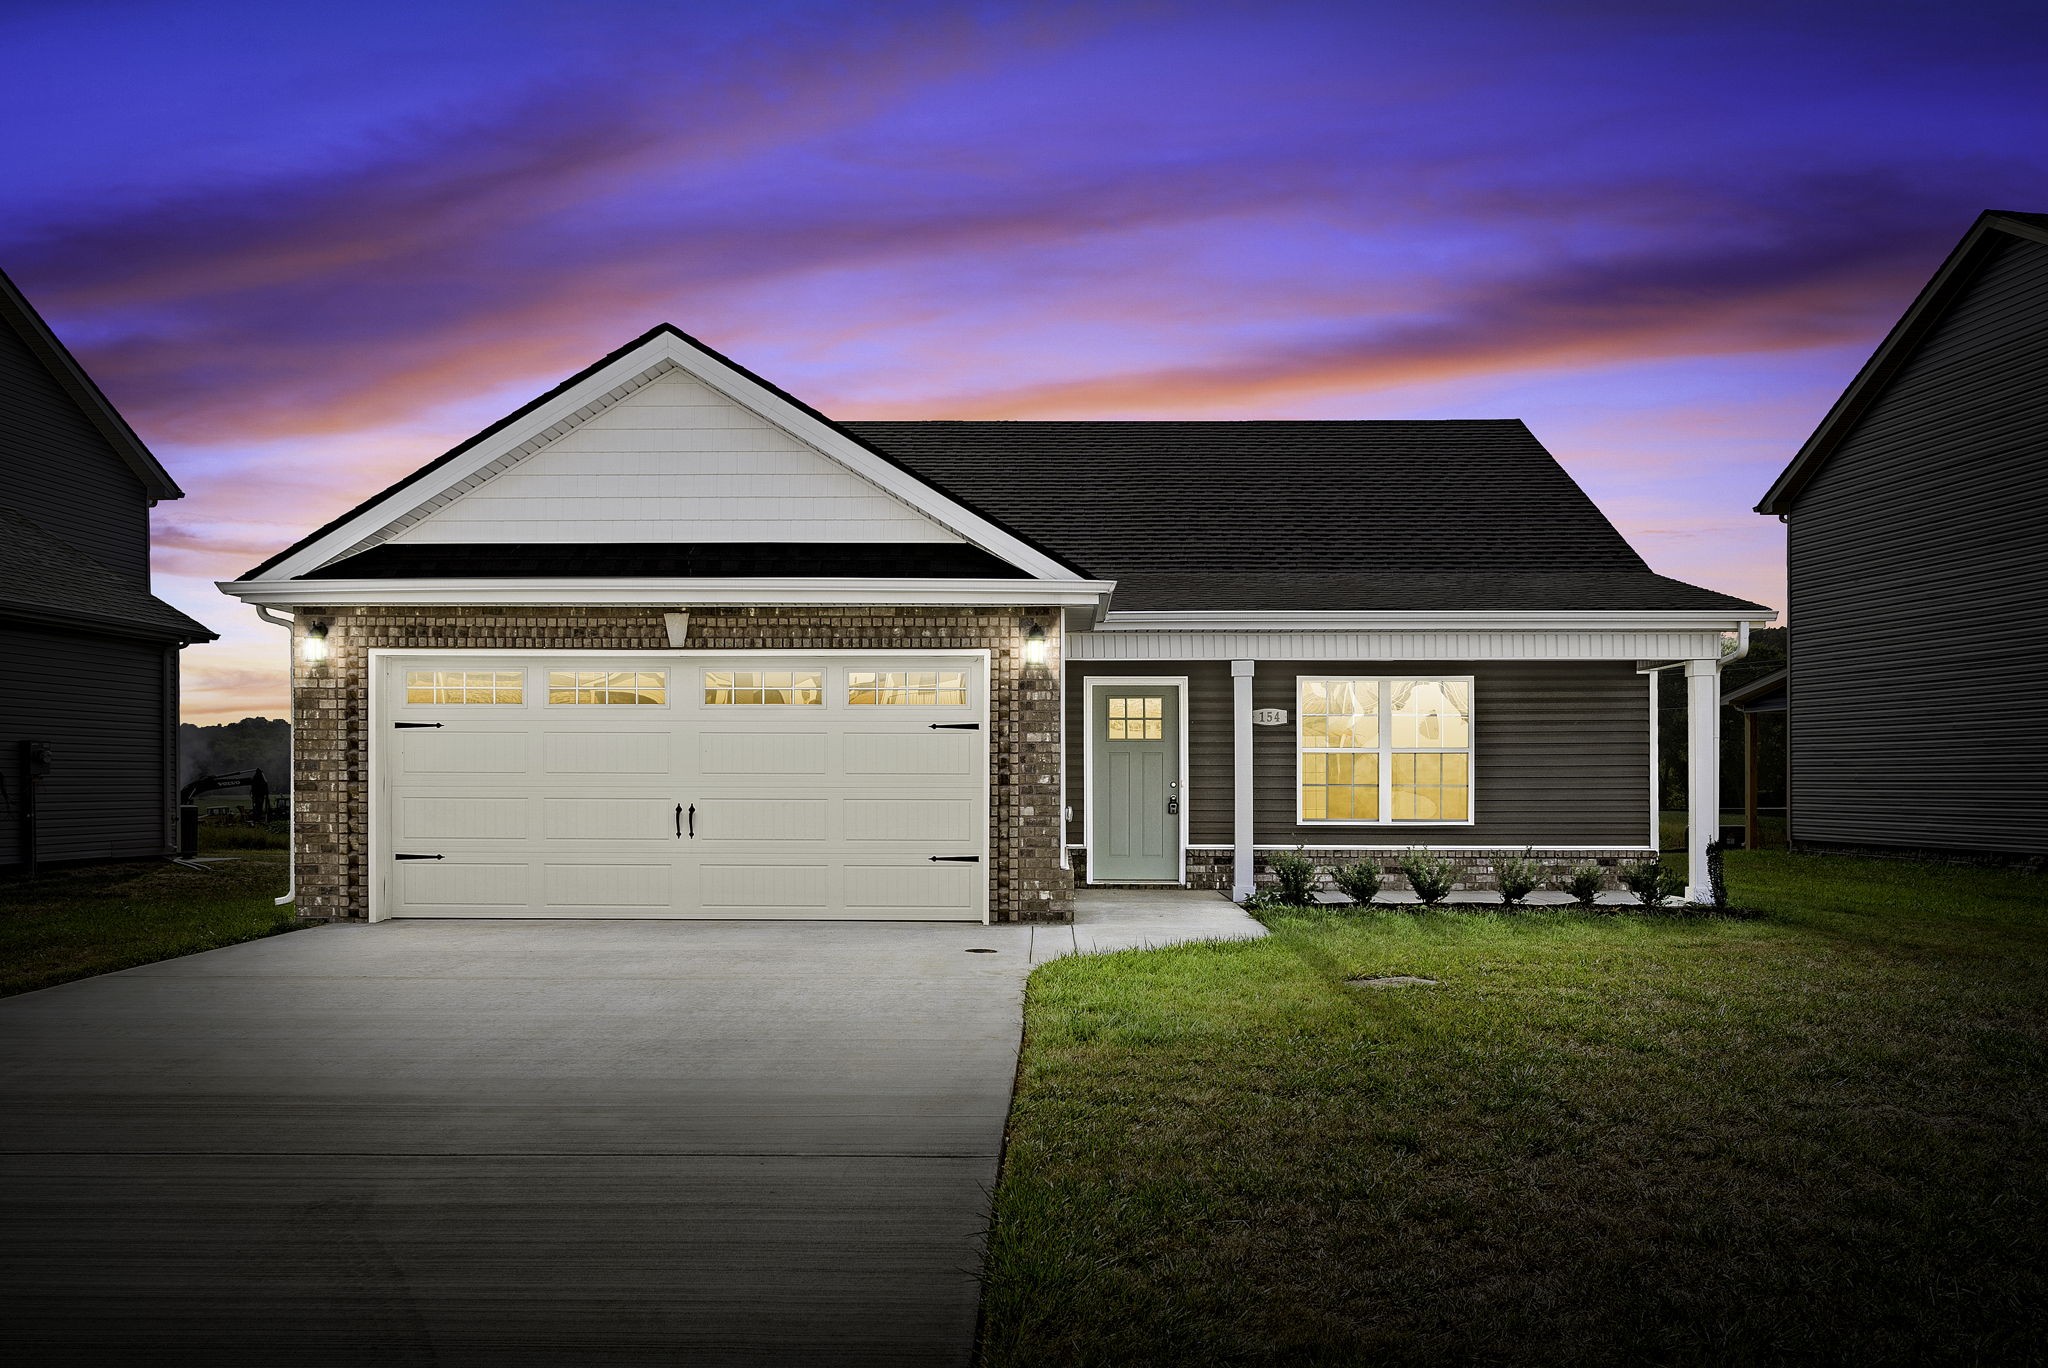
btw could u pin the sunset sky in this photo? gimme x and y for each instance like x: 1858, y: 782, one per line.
x: 307, y: 248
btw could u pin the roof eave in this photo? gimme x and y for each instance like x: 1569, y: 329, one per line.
x: 1934, y: 297
x: 1161, y: 620
x: 85, y: 392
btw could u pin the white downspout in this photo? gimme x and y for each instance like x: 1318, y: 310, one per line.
x: 291, y: 758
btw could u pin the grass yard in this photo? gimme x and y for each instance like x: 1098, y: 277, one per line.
x: 1819, y: 1136
x: 71, y: 923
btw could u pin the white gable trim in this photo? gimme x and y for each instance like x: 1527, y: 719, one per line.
x: 1066, y: 593
x: 601, y: 388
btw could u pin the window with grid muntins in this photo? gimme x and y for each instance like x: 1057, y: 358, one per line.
x: 1137, y: 719
x: 608, y: 686
x: 465, y: 686
x: 906, y: 688
x: 1384, y: 750
x: 764, y: 688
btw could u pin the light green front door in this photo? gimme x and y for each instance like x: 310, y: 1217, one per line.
x: 1137, y: 783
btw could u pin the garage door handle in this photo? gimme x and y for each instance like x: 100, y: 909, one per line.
x: 419, y: 857
x: 955, y: 859
x: 693, y: 821
x: 414, y: 726
x: 956, y: 726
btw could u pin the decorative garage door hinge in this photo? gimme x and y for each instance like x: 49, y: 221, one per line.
x: 419, y: 857
x: 413, y: 726
x: 954, y: 859
x: 956, y: 726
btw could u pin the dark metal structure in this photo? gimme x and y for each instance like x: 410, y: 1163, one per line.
x: 1918, y: 583
x: 88, y: 657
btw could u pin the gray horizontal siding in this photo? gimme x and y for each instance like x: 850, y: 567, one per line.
x: 1561, y: 754
x: 1916, y: 591
x: 101, y: 704
x: 58, y: 471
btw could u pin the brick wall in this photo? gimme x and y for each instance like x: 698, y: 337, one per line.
x: 330, y: 714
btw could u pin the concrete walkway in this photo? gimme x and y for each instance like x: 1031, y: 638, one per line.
x: 524, y: 1142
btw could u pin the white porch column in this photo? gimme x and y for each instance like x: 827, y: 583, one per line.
x: 1702, y: 771
x: 1242, y: 881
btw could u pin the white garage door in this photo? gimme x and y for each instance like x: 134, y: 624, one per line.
x: 676, y: 785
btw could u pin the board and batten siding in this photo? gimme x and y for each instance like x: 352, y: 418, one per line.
x: 57, y: 471
x: 1561, y: 753
x: 675, y: 461
x: 1916, y: 585
x: 108, y: 712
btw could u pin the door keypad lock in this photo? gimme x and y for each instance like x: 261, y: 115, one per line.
x: 1173, y: 807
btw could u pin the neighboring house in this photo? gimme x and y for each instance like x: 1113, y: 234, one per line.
x: 667, y: 642
x: 88, y: 658
x: 1917, y: 516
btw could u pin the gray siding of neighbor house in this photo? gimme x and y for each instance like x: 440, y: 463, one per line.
x: 1917, y: 584
x: 107, y: 707
x: 1561, y: 754
x: 60, y: 473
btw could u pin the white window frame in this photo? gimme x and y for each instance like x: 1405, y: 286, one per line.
x: 1387, y: 750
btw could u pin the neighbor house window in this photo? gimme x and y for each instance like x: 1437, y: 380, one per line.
x: 906, y: 688
x: 608, y: 686
x: 1384, y: 750
x: 465, y: 686
x: 763, y: 687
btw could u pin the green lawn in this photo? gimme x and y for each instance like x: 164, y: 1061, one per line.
x: 1816, y: 1136
x: 71, y: 923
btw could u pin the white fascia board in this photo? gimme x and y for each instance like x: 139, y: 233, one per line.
x: 277, y: 591
x: 768, y: 405
x: 1478, y: 620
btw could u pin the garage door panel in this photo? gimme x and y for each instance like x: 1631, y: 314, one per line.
x: 611, y: 885
x: 820, y: 810
x: 472, y: 750
x: 608, y: 819
x: 877, y: 889
x: 938, y: 821
x: 785, y: 888
x: 598, y: 754
x: 762, y: 752
x: 919, y: 753
x: 456, y: 885
x: 764, y: 819
x: 460, y: 817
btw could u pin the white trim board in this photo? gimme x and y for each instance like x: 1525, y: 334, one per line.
x: 661, y: 352
x: 278, y: 592
x: 1088, y: 687
x: 1423, y: 638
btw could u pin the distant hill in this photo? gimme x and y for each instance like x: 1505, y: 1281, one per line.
x: 253, y: 743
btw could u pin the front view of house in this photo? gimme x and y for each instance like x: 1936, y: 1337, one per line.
x: 667, y: 642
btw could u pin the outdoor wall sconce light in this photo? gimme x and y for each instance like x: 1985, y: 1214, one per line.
x: 1034, y: 645
x: 313, y: 646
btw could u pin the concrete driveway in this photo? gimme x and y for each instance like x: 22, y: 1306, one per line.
x: 505, y: 1142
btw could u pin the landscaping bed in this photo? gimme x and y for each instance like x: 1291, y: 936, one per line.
x: 1815, y: 1135
x: 92, y: 919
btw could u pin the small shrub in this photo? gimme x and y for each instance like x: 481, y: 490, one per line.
x: 1295, y: 877
x: 1584, y: 882
x: 1359, y: 882
x: 1431, y: 876
x: 1652, y: 881
x: 1518, y: 877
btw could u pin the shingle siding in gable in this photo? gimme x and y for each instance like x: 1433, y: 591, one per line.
x: 58, y: 471
x: 1917, y: 587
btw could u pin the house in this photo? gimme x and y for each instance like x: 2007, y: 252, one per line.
x: 1915, y: 520
x: 669, y: 642
x: 88, y: 657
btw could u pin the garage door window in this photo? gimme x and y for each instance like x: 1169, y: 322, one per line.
x: 465, y: 686
x: 763, y: 688
x: 907, y: 688
x: 608, y: 686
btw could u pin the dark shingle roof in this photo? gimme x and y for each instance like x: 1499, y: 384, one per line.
x: 1468, y: 514
x: 43, y: 580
